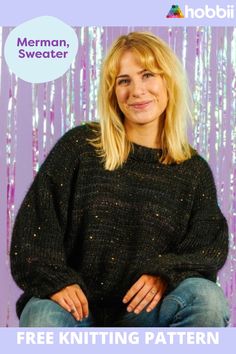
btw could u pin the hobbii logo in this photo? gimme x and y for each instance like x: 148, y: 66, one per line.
x: 209, y: 12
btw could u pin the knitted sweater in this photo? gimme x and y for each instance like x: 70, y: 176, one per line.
x: 80, y: 223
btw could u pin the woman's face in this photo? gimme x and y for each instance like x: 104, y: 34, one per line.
x: 141, y: 94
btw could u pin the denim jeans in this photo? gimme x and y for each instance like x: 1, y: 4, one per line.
x: 196, y: 302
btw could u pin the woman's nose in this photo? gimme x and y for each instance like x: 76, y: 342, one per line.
x: 137, y: 88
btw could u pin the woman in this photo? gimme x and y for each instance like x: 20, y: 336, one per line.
x: 121, y: 226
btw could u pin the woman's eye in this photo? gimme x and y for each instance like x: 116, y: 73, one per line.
x: 123, y: 82
x: 148, y: 75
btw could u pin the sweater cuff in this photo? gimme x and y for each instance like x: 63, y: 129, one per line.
x: 50, y: 281
x: 172, y: 277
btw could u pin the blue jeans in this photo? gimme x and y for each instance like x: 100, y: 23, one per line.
x: 196, y: 302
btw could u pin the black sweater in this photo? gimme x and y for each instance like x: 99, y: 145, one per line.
x: 80, y: 223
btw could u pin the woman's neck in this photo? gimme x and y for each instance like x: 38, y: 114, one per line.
x: 148, y: 135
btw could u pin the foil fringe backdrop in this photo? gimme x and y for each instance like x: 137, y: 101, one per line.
x: 33, y: 117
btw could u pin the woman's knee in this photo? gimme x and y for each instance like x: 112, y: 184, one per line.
x: 203, y: 301
x: 45, y: 313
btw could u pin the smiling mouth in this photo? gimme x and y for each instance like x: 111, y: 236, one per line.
x: 141, y: 105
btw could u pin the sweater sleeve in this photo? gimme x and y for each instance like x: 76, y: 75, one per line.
x: 203, y: 249
x: 38, y: 260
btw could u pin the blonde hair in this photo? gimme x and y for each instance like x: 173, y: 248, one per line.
x: 155, y: 55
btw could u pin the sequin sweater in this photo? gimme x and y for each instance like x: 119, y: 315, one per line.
x: 80, y: 223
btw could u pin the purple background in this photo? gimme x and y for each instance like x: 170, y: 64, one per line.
x: 8, y: 339
x: 109, y: 13
x: 33, y: 117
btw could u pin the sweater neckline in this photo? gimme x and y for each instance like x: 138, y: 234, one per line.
x: 144, y: 153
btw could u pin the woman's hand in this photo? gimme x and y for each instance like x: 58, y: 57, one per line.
x: 146, y: 292
x: 73, y: 300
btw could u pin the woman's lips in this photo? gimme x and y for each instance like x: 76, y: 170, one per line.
x: 140, y: 105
